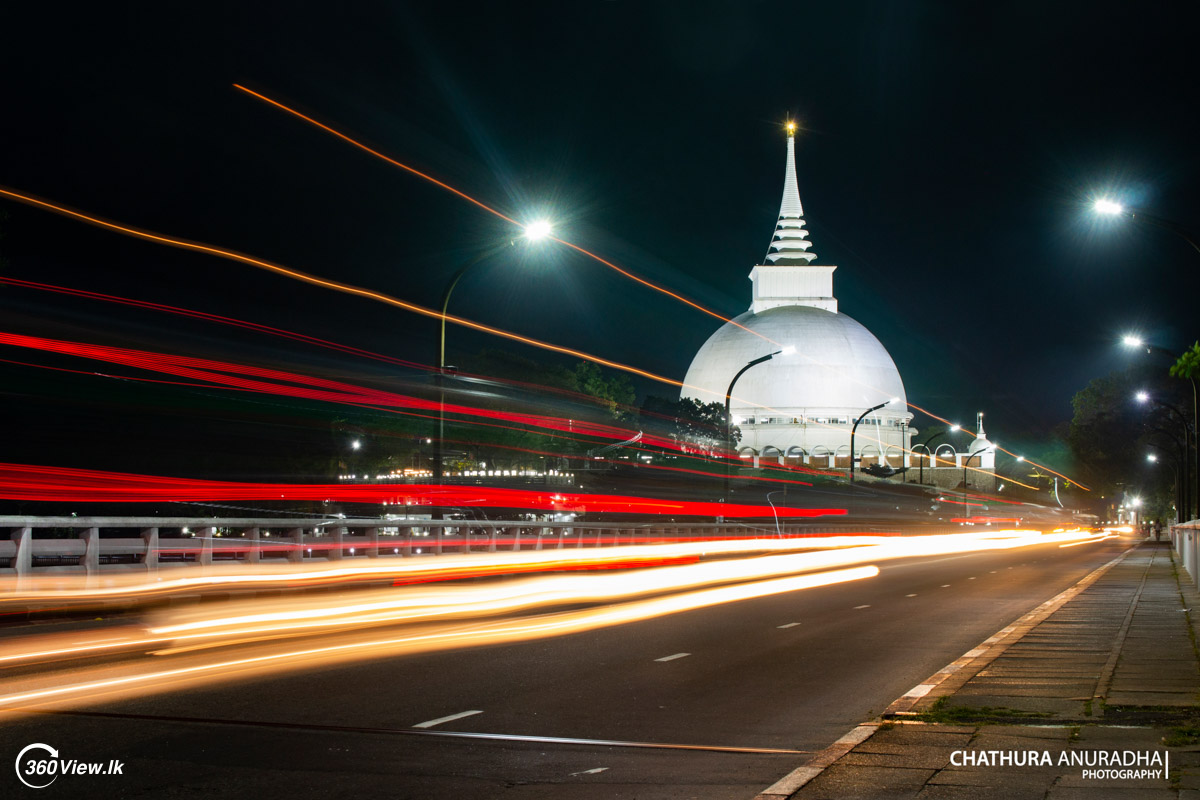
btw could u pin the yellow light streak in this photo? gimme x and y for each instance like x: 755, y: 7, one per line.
x: 500, y: 632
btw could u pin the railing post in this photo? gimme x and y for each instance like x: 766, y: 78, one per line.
x: 91, y: 551
x: 296, y: 553
x: 336, y: 552
x: 150, y: 559
x: 492, y: 538
x: 254, y: 551
x: 373, y: 539
x: 205, y: 554
x: 23, y: 560
x: 437, y: 546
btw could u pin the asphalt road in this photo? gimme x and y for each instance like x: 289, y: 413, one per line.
x: 790, y: 672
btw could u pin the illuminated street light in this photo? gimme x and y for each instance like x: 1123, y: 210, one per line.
x: 538, y: 229
x: 1130, y: 340
x: 1153, y: 459
x: 355, y: 445
x: 1107, y: 207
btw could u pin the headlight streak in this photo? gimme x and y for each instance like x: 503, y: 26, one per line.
x: 253, y: 618
x: 494, y: 633
x: 1091, y: 540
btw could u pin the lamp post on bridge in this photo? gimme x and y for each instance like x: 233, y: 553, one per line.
x: 533, y: 232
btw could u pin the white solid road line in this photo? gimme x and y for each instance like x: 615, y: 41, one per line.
x: 910, y: 595
x: 856, y: 608
x: 945, y: 586
x: 789, y: 625
x: 672, y: 658
x: 451, y: 718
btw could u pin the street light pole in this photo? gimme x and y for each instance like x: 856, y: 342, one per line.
x: 854, y: 429
x: 439, y: 447
x: 1188, y: 443
x: 925, y: 444
x: 729, y: 420
x: 539, y: 229
x: 967, y: 461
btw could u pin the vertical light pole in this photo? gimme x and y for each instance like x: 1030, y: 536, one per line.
x: 1153, y: 459
x: 1193, y: 489
x: 925, y: 444
x: 787, y: 351
x: 854, y: 429
x: 1144, y: 397
x: 534, y: 231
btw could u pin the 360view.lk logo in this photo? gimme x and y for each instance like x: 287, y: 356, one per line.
x: 39, y: 765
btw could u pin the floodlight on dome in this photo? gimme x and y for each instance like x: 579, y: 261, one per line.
x: 894, y: 400
x: 788, y: 351
x: 1107, y: 207
x: 538, y: 229
x: 955, y: 428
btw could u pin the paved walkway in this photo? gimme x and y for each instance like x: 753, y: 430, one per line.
x: 1107, y: 670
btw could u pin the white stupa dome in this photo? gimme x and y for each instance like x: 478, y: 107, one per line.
x: 801, y: 403
x: 838, y: 368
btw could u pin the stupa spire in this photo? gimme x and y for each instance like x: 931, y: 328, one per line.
x: 790, y: 243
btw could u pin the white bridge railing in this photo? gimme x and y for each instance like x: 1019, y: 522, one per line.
x: 42, y: 545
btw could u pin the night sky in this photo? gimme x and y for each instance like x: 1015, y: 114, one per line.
x: 947, y: 161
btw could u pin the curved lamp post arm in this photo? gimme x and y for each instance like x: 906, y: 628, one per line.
x: 729, y: 419
x: 854, y: 429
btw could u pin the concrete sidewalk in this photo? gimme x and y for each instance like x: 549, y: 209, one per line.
x: 1102, y: 682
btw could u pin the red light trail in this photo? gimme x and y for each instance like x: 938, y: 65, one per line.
x: 38, y: 483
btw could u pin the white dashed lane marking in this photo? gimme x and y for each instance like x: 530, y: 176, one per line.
x: 672, y: 658
x: 945, y: 586
x: 910, y: 595
x: 789, y: 625
x: 856, y: 608
x: 451, y: 718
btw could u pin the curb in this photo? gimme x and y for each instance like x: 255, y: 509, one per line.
x: 979, y: 657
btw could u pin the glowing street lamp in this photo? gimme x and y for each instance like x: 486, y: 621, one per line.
x: 538, y: 229
x: 534, y: 231
x: 1107, y: 207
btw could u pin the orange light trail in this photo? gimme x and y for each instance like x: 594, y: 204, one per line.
x: 329, y: 284
x: 350, y: 140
